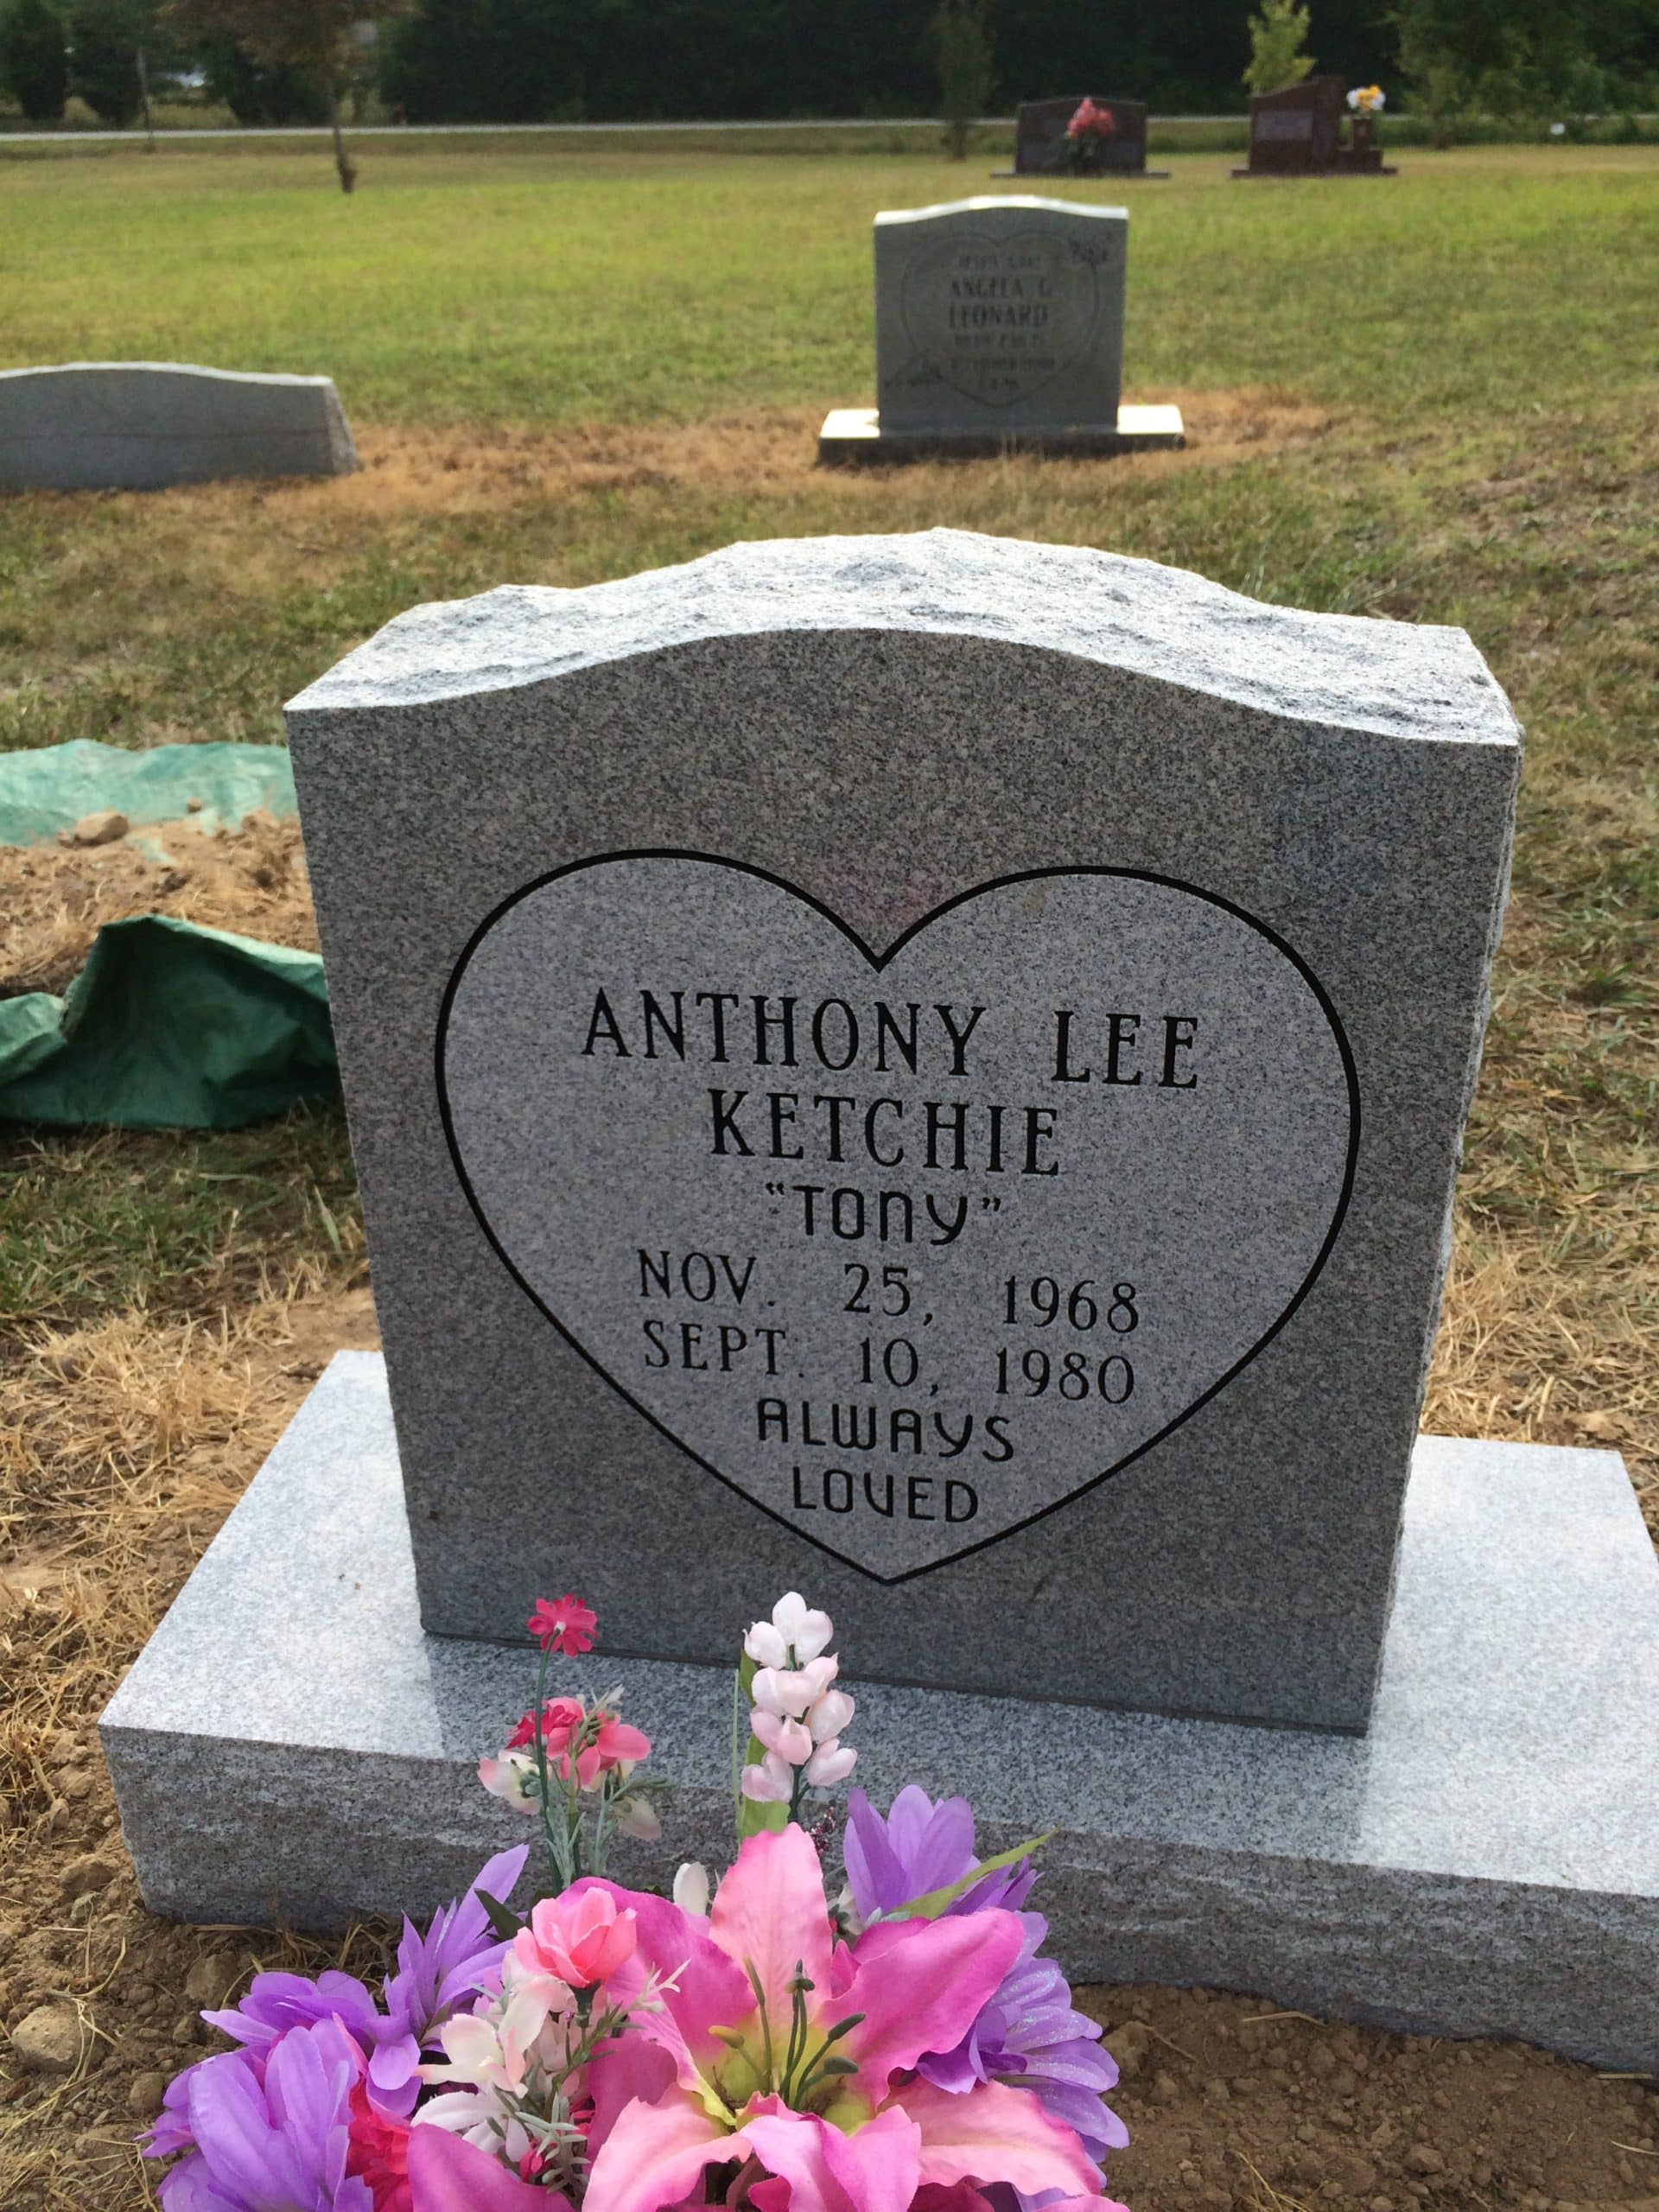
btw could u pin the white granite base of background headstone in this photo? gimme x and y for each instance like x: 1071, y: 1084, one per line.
x: 856, y: 438
x: 141, y: 426
x: 1485, y: 1861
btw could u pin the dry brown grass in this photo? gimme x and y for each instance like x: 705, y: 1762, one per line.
x: 1530, y: 1350
x: 122, y: 1447
x: 762, y: 450
x: 247, y: 541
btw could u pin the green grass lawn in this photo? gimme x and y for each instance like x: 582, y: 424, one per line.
x: 1435, y: 397
x: 523, y: 281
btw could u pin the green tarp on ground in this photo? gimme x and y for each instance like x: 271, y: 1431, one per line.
x: 170, y: 1025
x: 51, y: 788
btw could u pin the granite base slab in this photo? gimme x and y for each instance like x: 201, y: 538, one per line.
x: 852, y: 437
x: 1099, y: 176
x: 1485, y: 1861
x: 1280, y: 175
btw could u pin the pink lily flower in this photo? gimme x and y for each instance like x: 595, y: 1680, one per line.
x: 776, y: 2043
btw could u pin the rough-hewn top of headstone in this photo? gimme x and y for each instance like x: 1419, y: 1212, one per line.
x: 1397, y: 678
x: 1355, y: 670
x: 984, y: 202
x: 164, y: 368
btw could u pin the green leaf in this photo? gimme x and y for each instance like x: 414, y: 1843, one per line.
x: 937, y: 1901
x: 505, y: 1922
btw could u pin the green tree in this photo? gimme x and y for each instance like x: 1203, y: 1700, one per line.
x: 1524, y: 57
x: 960, y: 34
x: 320, y: 39
x: 1278, y: 35
x: 107, y: 57
x: 255, y: 94
x: 33, y: 59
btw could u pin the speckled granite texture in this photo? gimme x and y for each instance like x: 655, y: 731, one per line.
x: 140, y: 425
x: 884, y: 725
x: 1485, y: 1862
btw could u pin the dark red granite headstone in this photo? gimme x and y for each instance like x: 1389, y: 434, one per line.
x: 1040, y: 144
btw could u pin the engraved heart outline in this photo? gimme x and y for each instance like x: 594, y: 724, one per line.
x: 936, y: 361
x: 878, y: 962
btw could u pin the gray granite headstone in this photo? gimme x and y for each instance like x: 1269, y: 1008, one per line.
x: 926, y: 1069
x: 142, y: 425
x: 999, y: 313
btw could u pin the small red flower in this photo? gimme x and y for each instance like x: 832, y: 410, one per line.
x: 560, y: 1717
x: 378, y: 2154
x: 564, y: 1625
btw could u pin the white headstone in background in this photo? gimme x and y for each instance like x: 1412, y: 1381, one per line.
x: 1003, y: 314
x: 142, y: 425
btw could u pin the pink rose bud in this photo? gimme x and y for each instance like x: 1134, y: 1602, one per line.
x: 580, y: 1939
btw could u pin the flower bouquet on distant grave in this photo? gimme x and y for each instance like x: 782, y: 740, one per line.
x: 1365, y: 105
x: 748, y: 2043
x: 1086, y: 137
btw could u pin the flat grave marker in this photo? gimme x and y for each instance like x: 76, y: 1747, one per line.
x: 143, y: 425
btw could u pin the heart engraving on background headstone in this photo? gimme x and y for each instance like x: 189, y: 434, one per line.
x: 909, y: 1246
x: 998, y: 319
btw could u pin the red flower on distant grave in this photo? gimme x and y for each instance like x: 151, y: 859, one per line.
x: 564, y: 1625
x: 1091, y: 122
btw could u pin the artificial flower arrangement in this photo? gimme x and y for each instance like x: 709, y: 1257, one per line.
x: 1367, y: 100
x: 1086, y: 134
x: 750, y: 2044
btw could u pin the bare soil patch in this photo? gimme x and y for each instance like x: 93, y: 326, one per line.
x: 54, y: 898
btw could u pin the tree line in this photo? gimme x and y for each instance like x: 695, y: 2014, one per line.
x: 531, y: 61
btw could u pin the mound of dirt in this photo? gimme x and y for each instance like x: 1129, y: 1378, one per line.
x: 54, y: 898
x: 1232, y: 2103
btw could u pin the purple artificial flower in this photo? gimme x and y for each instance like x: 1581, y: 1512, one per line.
x: 921, y: 1846
x: 267, y: 2131
x: 459, y: 1955
x: 276, y: 2002
x: 1028, y: 2034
